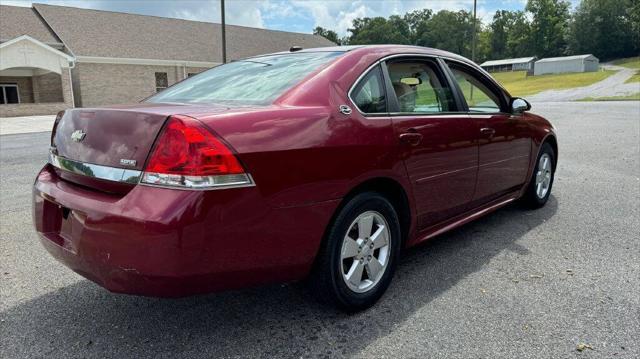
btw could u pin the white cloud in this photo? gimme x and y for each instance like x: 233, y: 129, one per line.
x: 346, y: 18
x: 319, y: 11
x: 339, y: 15
x: 16, y: 3
x: 245, y: 13
x: 71, y: 3
x: 277, y: 10
x: 292, y: 15
x: 484, y: 15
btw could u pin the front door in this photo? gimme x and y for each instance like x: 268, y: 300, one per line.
x: 438, y: 141
x: 504, y: 140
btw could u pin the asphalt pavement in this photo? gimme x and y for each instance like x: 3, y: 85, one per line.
x: 514, y: 284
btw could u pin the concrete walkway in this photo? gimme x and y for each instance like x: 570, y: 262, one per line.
x: 27, y: 124
x: 611, y: 86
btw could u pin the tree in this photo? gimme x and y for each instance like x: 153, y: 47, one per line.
x: 327, y: 34
x: 449, y: 30
x: 483, y: 47
x: 634, y: 15
x: 605, y: 28
x: 378, y: 30
x: 549, y: 26
x: 510, y: 35
x: 417, y: 21
x: 499, y: 34
x: 519, y: 36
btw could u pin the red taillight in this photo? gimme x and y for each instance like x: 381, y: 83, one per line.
x: 187, y: 154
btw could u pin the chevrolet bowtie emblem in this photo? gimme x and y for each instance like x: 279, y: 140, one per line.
x: 78, y: 135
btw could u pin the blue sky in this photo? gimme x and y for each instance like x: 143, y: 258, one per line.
x: 288, y: 15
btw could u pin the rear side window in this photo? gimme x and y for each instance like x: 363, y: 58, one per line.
x: 369, y: 95
x: 257, y: 80
x: 479, y: 97
x: 420, y: 87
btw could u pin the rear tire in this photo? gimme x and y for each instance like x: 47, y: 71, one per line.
x: 359, y: 254
x: 539, y: 188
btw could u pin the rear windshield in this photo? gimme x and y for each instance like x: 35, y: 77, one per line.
x: 257, y: 80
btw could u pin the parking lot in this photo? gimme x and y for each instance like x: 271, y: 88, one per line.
x: 514, y: 284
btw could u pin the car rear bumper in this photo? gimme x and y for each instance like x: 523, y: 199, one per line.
x: 166, y: 242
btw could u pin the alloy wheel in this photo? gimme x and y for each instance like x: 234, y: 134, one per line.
x: 365, y: 252
x: 543, y: 176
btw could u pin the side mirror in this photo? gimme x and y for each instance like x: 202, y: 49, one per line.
x: 519, y: 105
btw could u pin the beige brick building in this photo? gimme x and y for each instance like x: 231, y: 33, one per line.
x: 56, y: 57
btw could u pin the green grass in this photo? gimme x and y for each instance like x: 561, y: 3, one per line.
x: 426, y: 96
x: 630, y: 62
x: 634, y: 78
x: 474, y: 96
x: 519, y: 84
x: 632, y: 97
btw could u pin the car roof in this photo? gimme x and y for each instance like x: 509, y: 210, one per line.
x: 384, y: 50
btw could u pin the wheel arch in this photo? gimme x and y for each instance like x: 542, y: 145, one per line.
x: 391, y: 190
x: 553, y: 141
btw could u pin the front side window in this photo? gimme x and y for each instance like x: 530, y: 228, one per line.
x: 478, y: 96
x: 369, y: 95
x: 420, y: 88
x: 253, y: 81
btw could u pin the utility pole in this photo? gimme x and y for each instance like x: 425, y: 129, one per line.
x: 224, y: 35
x: 473, y: 41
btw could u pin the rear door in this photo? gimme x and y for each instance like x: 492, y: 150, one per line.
x: 437, y: 138
x: 504, y: 139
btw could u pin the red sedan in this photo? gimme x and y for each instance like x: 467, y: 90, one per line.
x: 320, y: 163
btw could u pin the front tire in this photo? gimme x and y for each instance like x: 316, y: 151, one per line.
x: 541, y: 181
x: 359, y: 255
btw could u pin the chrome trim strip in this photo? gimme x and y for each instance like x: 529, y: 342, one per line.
x: 96, y: 171
x: 356, y: 82
x: 379, y: 61
x: 505, y: 160
x: 392, y: 56
x: 425, y: 179
x: 125, y: 175
x: 251, y: 183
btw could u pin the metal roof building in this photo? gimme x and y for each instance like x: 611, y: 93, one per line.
x: 519, y: 64
x: 559, y: 65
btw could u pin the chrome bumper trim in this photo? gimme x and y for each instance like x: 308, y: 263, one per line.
x: 96, y: 171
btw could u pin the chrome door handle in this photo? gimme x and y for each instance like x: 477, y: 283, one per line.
x: 411, y: 138
x: 488, y: 131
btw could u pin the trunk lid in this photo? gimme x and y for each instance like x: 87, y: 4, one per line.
x: 105, y: 137
x: 119, y: 137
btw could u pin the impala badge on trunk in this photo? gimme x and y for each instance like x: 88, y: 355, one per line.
x: 126, y: 162
x: 78, y: 135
